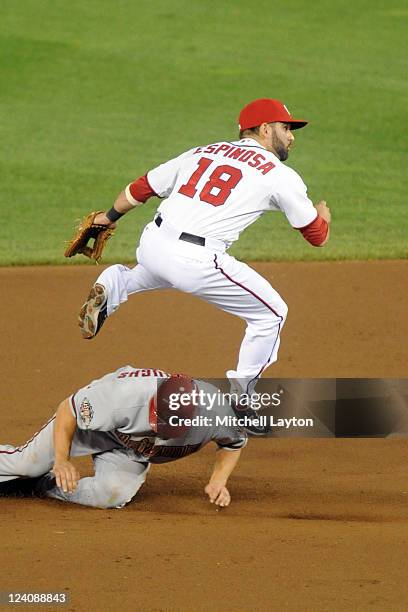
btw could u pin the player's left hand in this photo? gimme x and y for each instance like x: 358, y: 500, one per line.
x: 91, y: 236
x: 66, y: 476
x: 218, y: 494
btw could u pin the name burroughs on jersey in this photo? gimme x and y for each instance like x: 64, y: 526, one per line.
x: 244, y: 421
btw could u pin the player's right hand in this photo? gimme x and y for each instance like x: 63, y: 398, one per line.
x: 218, y: 494
x: 66, y: 476
x: 323, y: 210
x: 102, y: 219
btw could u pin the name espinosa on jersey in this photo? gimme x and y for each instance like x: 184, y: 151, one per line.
x: 242, y: 154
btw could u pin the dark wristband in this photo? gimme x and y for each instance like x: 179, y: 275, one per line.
x: 113, y: 215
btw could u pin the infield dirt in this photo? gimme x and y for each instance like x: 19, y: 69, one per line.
x: 313, y: 525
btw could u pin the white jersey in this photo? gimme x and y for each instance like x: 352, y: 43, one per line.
x: 218, y: 190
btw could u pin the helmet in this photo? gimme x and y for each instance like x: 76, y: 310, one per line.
x: 174, y: 398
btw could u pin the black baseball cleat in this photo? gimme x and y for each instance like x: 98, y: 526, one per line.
x: 28, y: 487
x: 9, y: 488
x: 254, y: 423
x: 94, y: 312
x: 43, y: 484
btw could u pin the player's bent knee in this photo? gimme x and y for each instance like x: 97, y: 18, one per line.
x: 280, y: 312
x: 283, y: 310
x: 273, y: 317
x: 114, y: 498
x: 116, y: 493
x: 274, y: 312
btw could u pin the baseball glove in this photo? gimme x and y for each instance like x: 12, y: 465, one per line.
x: 86, y: 231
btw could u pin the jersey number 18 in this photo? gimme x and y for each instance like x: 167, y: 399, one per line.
x: 223, y: 186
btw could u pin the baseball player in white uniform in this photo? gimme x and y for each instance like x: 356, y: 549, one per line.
x: 126, y: 421
x: 210, y: 195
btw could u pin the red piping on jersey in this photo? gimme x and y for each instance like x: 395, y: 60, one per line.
x: 217, y: 267
x: 19, y: 449
x: 141, y: 189
x: 316, y: 231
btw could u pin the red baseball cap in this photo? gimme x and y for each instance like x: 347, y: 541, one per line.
x: 266, y: 110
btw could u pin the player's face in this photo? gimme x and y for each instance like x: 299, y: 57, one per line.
x: 281, y: 139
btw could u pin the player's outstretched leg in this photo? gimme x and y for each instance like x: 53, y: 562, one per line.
x: 111, y: 289
x: 21, y: 466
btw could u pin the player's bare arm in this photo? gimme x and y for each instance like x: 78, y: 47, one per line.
x: 135, y: 194
x: 66, y: 474
x: 225, y: 462
x: 121, y: 206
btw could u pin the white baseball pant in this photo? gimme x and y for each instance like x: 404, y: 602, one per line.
x: 165, y: 261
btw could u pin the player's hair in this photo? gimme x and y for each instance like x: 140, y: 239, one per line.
x: 249, y: 131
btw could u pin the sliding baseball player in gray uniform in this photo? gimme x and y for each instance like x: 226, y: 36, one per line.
x: 126, y: 420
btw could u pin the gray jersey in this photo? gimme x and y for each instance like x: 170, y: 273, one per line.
x: 120, y: 403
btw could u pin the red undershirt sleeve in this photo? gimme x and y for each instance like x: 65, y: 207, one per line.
x: 316, y: 231
x: 139, y: 191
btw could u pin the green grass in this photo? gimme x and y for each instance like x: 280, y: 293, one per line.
x: 94, y: 93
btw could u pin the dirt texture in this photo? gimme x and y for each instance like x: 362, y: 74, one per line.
x: 313, y: 524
